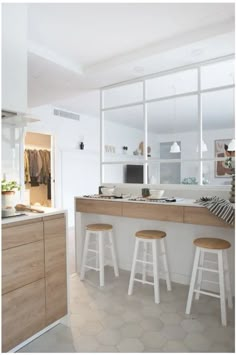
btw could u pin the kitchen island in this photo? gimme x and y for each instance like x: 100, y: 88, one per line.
x: 183, y: 221
x: 34, y: 275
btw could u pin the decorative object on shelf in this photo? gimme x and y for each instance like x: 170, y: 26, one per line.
x: 191, y: 180
x: 222, y: 168
x: 8, y: 196
x: 231, y: 146
x: 81, y: 146
x: 125, y: 149
x: 141, y: 149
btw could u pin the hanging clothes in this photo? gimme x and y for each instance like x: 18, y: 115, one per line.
x: 37, y: 167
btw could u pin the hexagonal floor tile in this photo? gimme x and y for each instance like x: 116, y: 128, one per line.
x: 130, y: 345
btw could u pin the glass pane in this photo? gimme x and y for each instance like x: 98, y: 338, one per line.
x: 123, y: 134
x: 216, y: 173
x: 217, y: 74
x: 190, y: 173
x: 113, y: 173
x: 167, y: 85
x: 217, y: 122
x: 123, y: 95
x: 171, y: 120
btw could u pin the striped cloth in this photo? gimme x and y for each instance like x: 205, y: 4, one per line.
x: 220, y: 207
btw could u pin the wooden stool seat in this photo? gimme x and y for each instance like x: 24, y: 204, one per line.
x: 99, y: 227
x: 102, y: 232
x: 212, y: 243
x: 219, y: 266
x: 150, y: 238
x: 150, y: 234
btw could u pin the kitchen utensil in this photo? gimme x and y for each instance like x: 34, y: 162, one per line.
x: 21, y: 207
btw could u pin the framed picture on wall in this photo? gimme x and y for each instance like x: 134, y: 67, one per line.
x: 221, y: 169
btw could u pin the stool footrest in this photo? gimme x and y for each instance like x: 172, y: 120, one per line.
x: 207, y: 293
x: 144, y: 262
x: 144, y: 282
x: 93, y: 251
x: 207, y: 269
x: 91, y: 267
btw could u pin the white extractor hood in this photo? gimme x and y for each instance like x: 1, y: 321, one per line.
x: 17, y: 119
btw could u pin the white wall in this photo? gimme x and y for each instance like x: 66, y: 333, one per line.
x: 77, y: 172
x: 14, y: 57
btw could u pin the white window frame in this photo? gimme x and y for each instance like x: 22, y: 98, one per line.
x: 145, y: 161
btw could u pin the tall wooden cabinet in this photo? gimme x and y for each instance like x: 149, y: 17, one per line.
x: 55, y: 268
x: 34, y: 284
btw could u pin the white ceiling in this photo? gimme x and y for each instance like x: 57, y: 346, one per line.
x: 76, y: 48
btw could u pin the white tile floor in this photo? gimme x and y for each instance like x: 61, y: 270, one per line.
x: 108, y: 320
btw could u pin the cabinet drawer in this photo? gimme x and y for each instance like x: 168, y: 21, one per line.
x: 21, y: 234
x: 100, y: 207
x: 22, y: 265
x: 201, y: 215
x: 54, y: 227
x: 23, y: 314
x: 154, y: 212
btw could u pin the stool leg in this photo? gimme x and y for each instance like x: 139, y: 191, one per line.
x: 145, y: 245
x: 132, y: 275
x: 193, y: 279
x: 222, y: 288
x: 165, y: 264
x: 155, y: 272
x: 97, y: 256
x: 227, y: 279
x: 85, y: 252
x: 200, y: 272
x: 113, y: 253
x: 101, y: 258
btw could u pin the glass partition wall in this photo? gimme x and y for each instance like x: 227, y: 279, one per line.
x: 170, y: 128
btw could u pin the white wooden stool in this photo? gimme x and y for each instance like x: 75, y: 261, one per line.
x: 100, y: 230
x: 150, y: 237
x: 219, y: 248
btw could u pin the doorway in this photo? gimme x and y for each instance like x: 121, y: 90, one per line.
x: 38, y: 169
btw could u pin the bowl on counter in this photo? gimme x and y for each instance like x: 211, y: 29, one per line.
x: 156, y: 193
x: 109, y: 191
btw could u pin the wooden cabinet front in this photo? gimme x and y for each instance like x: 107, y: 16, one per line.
x: 100, y: 207
x: 22, y: 265
x: 152, y: 211
x: 201, y: 215
x: 21, y: 233
x: 23, y: 314
x: 55, y: 268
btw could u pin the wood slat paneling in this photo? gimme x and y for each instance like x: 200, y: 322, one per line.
x: 21, y: 234
x: 201, y: 215
x: 23, y: 314
x: 154, y: 212
x: 100, y: 207
x: 22, y: 265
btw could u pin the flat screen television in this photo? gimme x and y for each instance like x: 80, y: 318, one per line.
x: 134, y: 174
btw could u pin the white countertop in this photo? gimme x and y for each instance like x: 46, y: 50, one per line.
x: 180, y: 202
x: 32, y: 215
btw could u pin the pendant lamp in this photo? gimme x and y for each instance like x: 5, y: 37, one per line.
x: 204, y: 147
x: 175, y: 148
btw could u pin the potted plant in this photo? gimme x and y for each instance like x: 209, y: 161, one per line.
x: 8, y: 191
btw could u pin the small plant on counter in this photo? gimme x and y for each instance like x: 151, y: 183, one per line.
x: 10, y: 186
